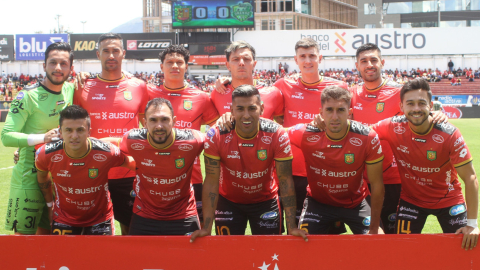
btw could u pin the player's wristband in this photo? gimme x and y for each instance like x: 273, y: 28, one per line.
x: 472, y: 223
x: 49, y: 204
x: 34, y: 139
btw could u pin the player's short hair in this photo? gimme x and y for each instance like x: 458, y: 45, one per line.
x: 336, y: 93
x: 306, y: 43
x: 180, y: 49
x: 59, y: 46
x: 239, y: 44
x: 74, y: 112
x: 159, y: 102
x: 436, y: 98
x: 368, y: 47
x: 415, y: 84
x: 110, y: 36
x: 246, y: 90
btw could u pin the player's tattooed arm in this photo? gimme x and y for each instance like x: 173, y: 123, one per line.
x: 210, y: 197
x: 287, y: 189
x: 45, y: 185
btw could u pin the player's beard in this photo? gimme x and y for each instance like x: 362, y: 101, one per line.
x: 110, y: 68
x: 160, y: 141
x: 416, y: 121
x: 371, y: 79
x: 53, y: 81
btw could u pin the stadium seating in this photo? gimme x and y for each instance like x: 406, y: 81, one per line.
x: 445, y: 88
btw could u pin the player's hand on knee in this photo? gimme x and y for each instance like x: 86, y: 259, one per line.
x: 199, y: 233
x: 52, y: 135
x: 318, y: 122
x: 470, y: 237
x: 225, y: 121
x: 16, y: 156
x: 220, y: 84
x: 299, y: 233
x: 80, y: 79
x: 378, y: 231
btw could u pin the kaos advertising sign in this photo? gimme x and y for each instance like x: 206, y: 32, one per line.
x: 33, y: 47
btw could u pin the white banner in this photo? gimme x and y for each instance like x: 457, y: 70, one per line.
x: 344, y: 42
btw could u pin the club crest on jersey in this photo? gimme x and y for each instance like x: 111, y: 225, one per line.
x: 179, y: 163
x: 127, y: 95
x: 349, y: 158
x: 431, y: 155
x: 187, y: 105
x: 262, y: 154
x: 93, y: 173
x: 183, y: 13
x: 380, y: 107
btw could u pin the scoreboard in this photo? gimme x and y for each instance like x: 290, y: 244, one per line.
x: 213, y: 13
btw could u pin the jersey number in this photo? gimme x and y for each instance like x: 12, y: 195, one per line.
x: 61, y: 232
x: 31, y: 222
x: 304, y: 227
x: 220, y: 230
x: 401, y: 228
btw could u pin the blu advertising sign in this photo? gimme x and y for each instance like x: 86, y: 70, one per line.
x: 33, y: 47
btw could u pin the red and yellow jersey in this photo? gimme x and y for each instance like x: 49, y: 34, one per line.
x: 335, y: 167
x: 81, y: 184
x: 372, y: 106
x: 272, y: 100
x: 115, y: 108
x: 427, y: 162
x: 247, y: 165
x: 301, y: 104
x: 163, y: 184
x: 192, y: 107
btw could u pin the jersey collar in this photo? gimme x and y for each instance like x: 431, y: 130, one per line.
x: 166, y: 147
x: 110, y: 81
x: 418, y: 134
x: 247, y: 139
x: 175, y: 89
x: 311, y: 84
x: 375, y: 89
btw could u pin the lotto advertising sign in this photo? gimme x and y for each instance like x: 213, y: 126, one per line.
x: 213, y: 13
x: 345, y: 42
x: 33, y: 47
x: 6, y: 48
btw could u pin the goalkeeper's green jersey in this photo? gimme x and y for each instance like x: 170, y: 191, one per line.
x: 35, y: 110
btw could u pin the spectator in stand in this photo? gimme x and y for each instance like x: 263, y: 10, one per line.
x: 450, y: 65
x: 470, y: 79
x: 477, y: 74
x: 454, y: 81
x: 459, y: 82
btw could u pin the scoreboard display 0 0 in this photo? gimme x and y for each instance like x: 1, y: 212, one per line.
x: 213, y: 13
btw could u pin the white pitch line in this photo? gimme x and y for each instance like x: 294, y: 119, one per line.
x: 6, y: 168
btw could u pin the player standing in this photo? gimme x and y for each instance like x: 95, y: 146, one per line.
x: 32, y: 120
x: 430, y: 156
x: 115, y: 104
x: 335, y: 162
x: 165, y: 156
x: 192, y: 107
x: 79, y: 168
x: 239, y: 184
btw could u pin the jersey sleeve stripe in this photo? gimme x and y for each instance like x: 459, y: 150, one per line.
x: 463, y: 163
x: 36, y: 166
x: 285, y: 158
x: 212, y: 157
x: 374, y: 161
x: 211, y: 121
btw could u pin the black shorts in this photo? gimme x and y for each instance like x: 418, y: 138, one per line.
x: 123, y: 196
x: 197, y: 189
x: 318, y: 218
x: 301, y: 184
x: 146, y: 226
x: 264, y: 217
x: 411, y: 218
x: 388, y: 216
x: 104, y: 228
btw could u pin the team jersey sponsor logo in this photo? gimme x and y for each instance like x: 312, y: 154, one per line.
x: 93, y: 173
x: 99, y: 97
x: 355, y: 141
x: 187, y: 105
x: 127, y: 95
x: 313, y: 138
x: 233, y: 154
x: 380, y: 107
x: 60, y: 102
x: 431, y: 155
x: 298, y: 126
x: 262, y: 154
x: 133, y: 83
x: 206, y: 145
x: 399, y: 129
x: 162, y: 153
x: 420, y: 140
x: 298, y: 95
x: 267, y: 140
x: 64, y: 173
x: 183, y: 124
x: 374, y: 140
x: 43, y: 97
x: 100, y: 157
x: 404, y: 149
x: 148, y: 163
x: 267, y: 125
x: 196, y: 93
x: 366, y: 221
x: 408, y: 209
x: 335, y: 146
x: 121, y: 115
x: 457, y: 209
x: 283, y: 137
x: 371, y: 96
x: 175, y: 94
x: 318, y: 154
x: 302, y: 115
x: 179, y: 163
x: 229, y: 138
x: 458, y: 141
x: 20, y: 95
x: 358, y: 107
x: 77, y: 164
x: 392, y: 217
x: 349, y: 158
x: 91, y: 83
x: 211, y: 132
x: 137, y: 146
x: 185, y: 147
x: 388, y: 92
x: 246, y: 144
x: 247, y: 175
x: 287, y: 149
x: 420, y: 180
x: 112, y: 86
x: 269, y: 215
x: 417, y: 168
x: 57, y: 158
x: 438, y: 138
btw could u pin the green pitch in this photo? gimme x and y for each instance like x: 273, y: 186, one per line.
x: 468, y: 127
